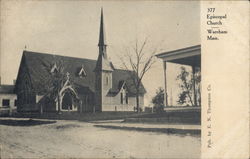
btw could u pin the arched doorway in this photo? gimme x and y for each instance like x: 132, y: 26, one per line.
x: 67, y: 101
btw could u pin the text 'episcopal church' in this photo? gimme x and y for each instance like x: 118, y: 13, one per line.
x: 53, y: 83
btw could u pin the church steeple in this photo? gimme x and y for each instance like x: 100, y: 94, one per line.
x: 102, y: 61
x: 103, y: 70
x: 102, y: 38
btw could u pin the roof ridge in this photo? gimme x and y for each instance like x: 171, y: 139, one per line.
x: 50, y: 54
x: 119, y: 69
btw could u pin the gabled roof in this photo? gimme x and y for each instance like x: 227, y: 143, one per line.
x: 119, y: 77
x: 6, y: 89
x: 38, y: 67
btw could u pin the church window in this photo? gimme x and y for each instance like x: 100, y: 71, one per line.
x: 54, y: 69
x: 82, y: 72
x: 126, y: 98
x: 107, y: 80
x: 121, y: 98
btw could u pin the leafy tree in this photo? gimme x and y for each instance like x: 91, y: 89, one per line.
x: 186, y: 85
x: 198, y: 82
x: 158, y: 100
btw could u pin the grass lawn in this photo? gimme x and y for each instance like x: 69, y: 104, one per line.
x: 182, y: 116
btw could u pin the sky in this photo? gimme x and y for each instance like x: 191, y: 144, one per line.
x: 71, y: 28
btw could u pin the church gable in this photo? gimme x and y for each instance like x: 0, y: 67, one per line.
x: 121, y: 77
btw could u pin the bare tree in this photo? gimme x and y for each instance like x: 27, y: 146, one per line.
x: 140, y: 61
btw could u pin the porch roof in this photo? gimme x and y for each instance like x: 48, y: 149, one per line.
x: 185, y: 56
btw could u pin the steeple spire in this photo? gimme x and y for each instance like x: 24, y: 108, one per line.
x: 102, y: 61
x: 102, y: 38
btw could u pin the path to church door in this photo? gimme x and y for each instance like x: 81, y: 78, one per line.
x: 67, y: 101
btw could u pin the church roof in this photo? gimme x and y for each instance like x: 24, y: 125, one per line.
x: 38, y: 66
x: 124, y: 76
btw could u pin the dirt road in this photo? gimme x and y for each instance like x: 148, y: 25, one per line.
x: 64, y: 139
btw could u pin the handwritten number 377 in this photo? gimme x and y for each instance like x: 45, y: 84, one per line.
x: 210, y: 9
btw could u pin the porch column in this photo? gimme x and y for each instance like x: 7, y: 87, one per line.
x: 165, y: 84
x: 194, y: 87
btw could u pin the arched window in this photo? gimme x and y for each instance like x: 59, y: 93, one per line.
x: 121, y: 98
x: 126, y: 98
x: 107, y: 80
x: 54, y: 69
x: 82, y: 72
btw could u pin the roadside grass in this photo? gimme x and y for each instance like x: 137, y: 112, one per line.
x: 179, y: 132
x: 29, y: 122
x: 80, y: 116
x: 181, y: 116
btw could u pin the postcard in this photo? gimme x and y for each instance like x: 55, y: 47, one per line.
x: 124, y: 79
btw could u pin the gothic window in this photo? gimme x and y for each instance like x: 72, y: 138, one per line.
x: 126, y: 98
x: 121, y: 98
x: 82, y: 72
x: 54, y: 69
x: 107, y: 80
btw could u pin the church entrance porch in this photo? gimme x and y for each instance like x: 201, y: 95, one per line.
x: 67, y: 102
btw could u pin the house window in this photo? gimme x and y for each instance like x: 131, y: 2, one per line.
x: 6, y: 102
x: 15, y: 103
x: 121, y: 98
x: 126, y: 98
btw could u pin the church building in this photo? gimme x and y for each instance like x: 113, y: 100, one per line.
x: 54, y: 83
